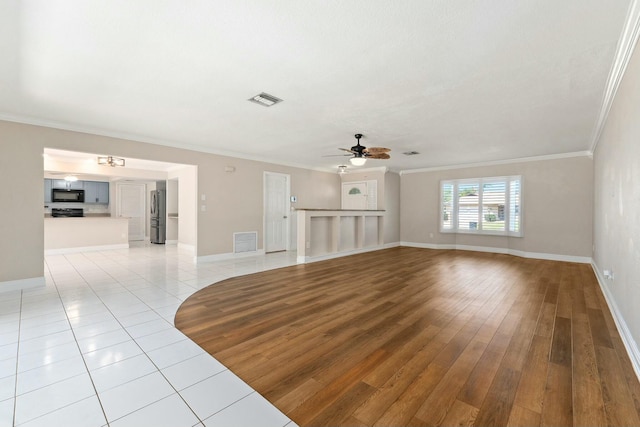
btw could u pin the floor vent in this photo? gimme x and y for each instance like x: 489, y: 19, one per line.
x: 245, y: 242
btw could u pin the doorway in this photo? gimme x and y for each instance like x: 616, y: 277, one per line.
x: 360, y: 195
x: 277, y: 187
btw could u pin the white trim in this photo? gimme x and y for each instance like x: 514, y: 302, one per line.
x: 187, y: 248
x: 501, y: 162
x: 508, y: 182
x: 308, y: 259
x: 86, y: 249
x: 383, y: 169
x: 551, y: 257
x: 627, y: 338
x: 427, y: 245
x: 624, y: 51
x: 170, y: 242
x: 507, y: 251
x: 228, y: 256
x: 391, y: 245
x: 21, y: 284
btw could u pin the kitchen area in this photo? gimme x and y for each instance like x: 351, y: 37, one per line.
x: 77, y: 217
x: 90, y: 207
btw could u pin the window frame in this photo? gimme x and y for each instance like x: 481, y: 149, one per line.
x: 480, y: 182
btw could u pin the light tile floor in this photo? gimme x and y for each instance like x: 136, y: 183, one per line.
x: 97, y: 345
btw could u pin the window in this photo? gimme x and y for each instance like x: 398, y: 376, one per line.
x: 482, y: 206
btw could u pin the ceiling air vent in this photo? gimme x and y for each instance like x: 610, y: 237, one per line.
x: 410, y: 153
x: 265, y: 99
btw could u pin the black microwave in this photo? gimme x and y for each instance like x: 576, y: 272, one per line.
x: 62, y: 195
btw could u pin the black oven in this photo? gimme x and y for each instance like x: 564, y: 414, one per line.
x: 67, y: 212
x: 62, y: 195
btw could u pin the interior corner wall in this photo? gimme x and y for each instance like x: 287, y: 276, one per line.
x: 617, y: 207
x: 556, y: 208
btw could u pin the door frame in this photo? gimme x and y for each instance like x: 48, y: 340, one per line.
x: 287, y: 227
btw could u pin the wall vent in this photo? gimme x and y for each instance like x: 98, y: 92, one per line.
x: 245, y: 242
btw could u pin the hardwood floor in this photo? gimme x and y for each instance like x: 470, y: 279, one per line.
x: 410, y: 336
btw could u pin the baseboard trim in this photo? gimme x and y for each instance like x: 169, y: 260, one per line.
x: 507, y: 251
x: 170, y: 242
x: 22, y: 284
x: 308, y: 259
x: 186, y: 248
x: 228, y: 256
x: 391, y: 245
x: 627, y: 339
x: 63, y: 251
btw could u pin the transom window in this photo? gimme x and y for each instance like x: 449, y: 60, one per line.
x: 482, y: 205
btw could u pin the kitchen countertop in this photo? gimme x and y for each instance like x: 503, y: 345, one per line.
x: 48, y: 215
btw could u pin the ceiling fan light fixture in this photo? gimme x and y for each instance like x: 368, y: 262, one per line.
x: 358, y: 161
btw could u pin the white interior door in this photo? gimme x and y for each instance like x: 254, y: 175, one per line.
x: 360, y: 195
x: 131, y: 204
x: 276, y: 211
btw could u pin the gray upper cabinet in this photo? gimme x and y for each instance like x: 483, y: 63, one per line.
x: 96, y: 192
x: 61, y: 183
x: 47, y: 190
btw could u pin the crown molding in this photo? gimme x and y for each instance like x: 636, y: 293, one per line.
x: 138, y: 138
x: 624, y: 51
x: 501, y: 162
x: 382, y: 169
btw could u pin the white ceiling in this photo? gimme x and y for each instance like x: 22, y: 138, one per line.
x: 460, y: 81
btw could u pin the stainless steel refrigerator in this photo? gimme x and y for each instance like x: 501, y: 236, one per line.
x: 158, y: 215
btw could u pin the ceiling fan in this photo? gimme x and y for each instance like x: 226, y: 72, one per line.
x: 360, y: 153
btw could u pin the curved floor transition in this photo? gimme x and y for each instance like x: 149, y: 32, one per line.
x: 409, y: 336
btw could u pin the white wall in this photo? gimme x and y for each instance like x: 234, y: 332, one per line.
x: 617, y: 206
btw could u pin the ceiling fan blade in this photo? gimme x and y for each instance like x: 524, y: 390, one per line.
x: 375, y: 150
x: 382, y: 156
x: 337, y: 155
x: 347, y: 150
